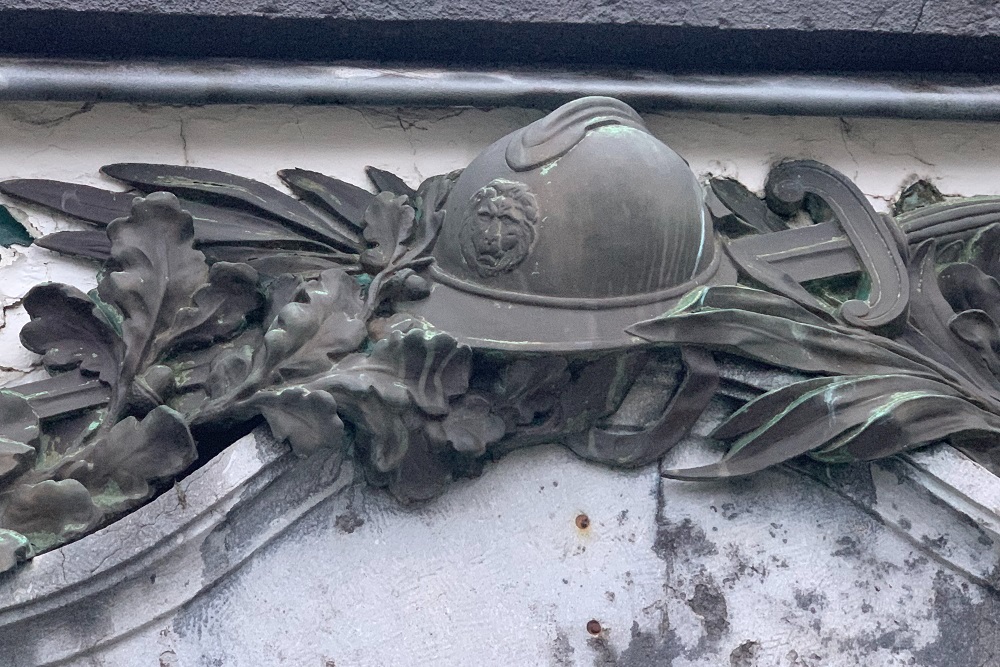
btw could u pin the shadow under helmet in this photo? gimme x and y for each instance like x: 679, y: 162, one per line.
x: 564, y: 233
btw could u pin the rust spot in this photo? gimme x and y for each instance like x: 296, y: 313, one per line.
x: 594, y: 627
x: 583, y: 523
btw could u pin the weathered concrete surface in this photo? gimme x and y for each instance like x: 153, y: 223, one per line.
x: 797, y: 567
x: 356, y: 579
x: 782, y: 569
x: 948, y: 17
x: 69, y: 602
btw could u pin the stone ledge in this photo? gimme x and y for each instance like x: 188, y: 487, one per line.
x: 966, y: 18
x: 732, y: 564
x: 166, y: 553
x: 699, y: 36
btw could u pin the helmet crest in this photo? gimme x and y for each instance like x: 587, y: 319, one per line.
x: 564, y: 233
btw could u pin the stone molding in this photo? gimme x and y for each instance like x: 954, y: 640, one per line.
x: 684, y: 36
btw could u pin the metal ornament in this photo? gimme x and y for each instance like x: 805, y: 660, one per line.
x: 575, y: 284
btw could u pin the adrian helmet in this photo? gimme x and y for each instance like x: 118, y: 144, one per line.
x: 562, y: 234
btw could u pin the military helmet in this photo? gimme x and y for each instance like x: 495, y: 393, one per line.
x: 562, y: 234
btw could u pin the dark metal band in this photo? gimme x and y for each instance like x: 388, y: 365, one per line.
x: 607, y: 303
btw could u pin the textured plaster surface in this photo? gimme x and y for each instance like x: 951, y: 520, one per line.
x: 950, y: 17
x: 272, y: 561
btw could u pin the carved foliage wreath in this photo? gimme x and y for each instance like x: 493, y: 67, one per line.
x: 223, y: 302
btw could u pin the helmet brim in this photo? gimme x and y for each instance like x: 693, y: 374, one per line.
x: 496, y: 324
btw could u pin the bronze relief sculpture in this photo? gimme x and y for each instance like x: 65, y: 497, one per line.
x: 610, y: 229
x: 574, y: 284
x: 498, y: 229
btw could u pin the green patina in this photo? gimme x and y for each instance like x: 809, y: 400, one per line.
x: 208, y: 186
x: 692, y: 298
x: 110, y: 313
x: 919, y: 194
x: 48, y: 454
x: 182, y: 375
x: 838, y: 289
x: 14, y: 548
x: 111, y: 496
x: 615, y: 129
x: 42, y: 541
x: 12, y: 232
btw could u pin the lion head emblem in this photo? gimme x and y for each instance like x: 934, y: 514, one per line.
x: 498, y: 231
